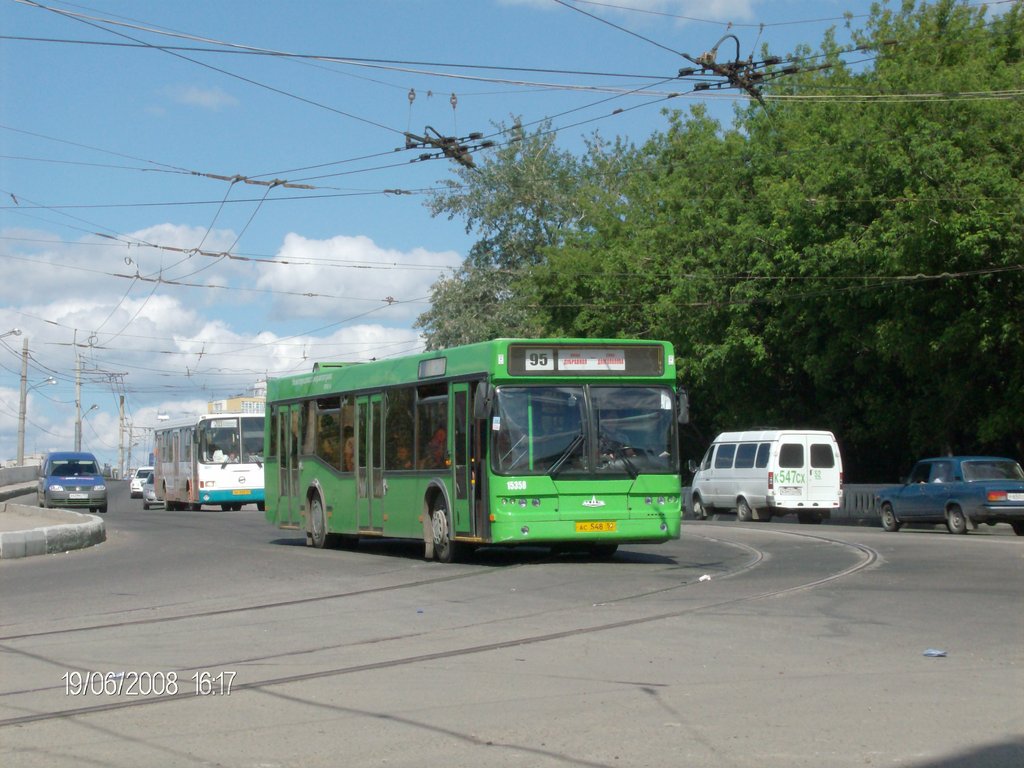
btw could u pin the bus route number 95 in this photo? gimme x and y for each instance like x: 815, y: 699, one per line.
x: 540, y: 360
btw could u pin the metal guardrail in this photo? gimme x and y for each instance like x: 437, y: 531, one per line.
x: 860, y: 504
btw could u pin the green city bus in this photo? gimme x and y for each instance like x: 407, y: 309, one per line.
x: 508, y: 442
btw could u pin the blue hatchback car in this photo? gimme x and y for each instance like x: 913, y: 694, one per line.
x: 960, y: 491
x: 72, y: 480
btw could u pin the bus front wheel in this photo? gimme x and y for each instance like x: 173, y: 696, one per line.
x: 444, y: 547
x: 317, y: 534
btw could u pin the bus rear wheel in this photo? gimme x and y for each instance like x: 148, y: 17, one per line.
x: 444, y: 547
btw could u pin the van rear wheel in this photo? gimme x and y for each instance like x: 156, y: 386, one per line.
x: 744, y: 514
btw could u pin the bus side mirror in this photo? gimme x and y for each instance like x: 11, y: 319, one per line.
x: 482, y: 400
x: 683, y: 401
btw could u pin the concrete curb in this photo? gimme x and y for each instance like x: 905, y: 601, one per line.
x: 68, y: 530
x: 19, y: 489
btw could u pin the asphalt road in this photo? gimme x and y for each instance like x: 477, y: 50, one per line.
x: 211, y: 638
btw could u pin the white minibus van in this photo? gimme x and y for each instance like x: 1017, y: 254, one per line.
x: 762, y: 474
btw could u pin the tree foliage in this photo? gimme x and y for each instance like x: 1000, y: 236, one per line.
x: 849, y: 257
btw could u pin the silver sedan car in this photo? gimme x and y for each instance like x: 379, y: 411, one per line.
x: 149, y: 497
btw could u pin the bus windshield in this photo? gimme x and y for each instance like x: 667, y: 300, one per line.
x: 584, y: 431
x: 222, y: 442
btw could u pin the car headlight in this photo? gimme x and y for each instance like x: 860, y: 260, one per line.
x: 101, y: 488
x: 57, y: 488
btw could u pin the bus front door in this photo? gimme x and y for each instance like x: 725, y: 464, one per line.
x: 368, y: 464
x: 463, y: 456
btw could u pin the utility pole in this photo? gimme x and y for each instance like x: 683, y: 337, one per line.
x: 23, y: 402
x: 120, y: 441
x: 78, y: 401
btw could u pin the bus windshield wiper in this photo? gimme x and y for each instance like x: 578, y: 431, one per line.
x: 569, y: 449
x: 630, y: 466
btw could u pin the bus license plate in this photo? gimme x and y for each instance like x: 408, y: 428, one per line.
x: 596, y: 526
x: 241, y: 492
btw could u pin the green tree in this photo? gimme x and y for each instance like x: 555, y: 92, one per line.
x: 846, y: 255
x: 521, y: 202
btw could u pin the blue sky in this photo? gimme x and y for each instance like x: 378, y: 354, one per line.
x: 116, y: 116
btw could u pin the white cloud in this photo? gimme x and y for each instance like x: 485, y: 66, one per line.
x: 213, y: 99
x: 351, y: 277
x: 171, y: 349
x: 710, y: 10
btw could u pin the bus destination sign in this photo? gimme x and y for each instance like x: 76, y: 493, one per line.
x: 527, y: 360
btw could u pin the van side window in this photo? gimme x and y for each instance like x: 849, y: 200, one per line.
x: 723, y: 457
x: 745, y: 455
x: 821, y: 456
x: 763, y: 450
x: 791, y: 456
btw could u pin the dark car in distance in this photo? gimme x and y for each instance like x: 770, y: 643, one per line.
x: 72, y: 480
x: 960, y: 491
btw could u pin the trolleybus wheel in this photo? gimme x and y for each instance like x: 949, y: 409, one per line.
x: 444, y: 547
x: 317, y: 535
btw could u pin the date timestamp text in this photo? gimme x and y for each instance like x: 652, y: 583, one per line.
x: 125, y: 683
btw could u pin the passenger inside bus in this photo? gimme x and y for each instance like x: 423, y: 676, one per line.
x: 349, y: 450
x: 435, y: 450
x: 402, y: 458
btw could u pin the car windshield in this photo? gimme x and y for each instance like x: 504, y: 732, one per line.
x: 584, y: 430
x: 992, y: 469
x: 74, y: 468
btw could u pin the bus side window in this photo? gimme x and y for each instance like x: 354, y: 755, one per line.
x: 398, y: 420
x: 328, y: 431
